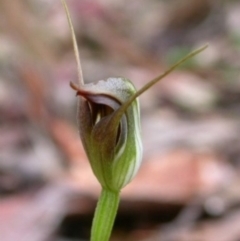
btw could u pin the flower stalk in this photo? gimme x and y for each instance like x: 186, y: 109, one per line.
x: 105, y: 214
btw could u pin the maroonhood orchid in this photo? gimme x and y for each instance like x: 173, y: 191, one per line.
x: 109, y: 126
x: 111, y: 139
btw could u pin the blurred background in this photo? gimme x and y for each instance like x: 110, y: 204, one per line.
x: 188, y: 188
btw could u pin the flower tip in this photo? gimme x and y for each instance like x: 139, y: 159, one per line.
x: 74, y: 87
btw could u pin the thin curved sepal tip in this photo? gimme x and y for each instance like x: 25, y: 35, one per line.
x: 119, y: 113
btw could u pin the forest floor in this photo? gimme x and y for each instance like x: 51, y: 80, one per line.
x: 188, y: 187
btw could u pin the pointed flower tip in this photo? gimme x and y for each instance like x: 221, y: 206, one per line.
x: 73, y: 86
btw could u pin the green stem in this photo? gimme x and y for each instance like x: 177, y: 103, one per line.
x: 104, y: 216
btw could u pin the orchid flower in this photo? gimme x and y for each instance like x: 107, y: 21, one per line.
x: 109, y: 126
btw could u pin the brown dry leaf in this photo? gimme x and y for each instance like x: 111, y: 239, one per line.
x: 177, y: 177
x: 33, y: 217
x: 68, y: 140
